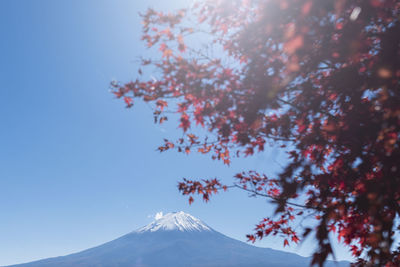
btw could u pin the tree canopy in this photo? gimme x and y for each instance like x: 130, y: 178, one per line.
x: 321, y: 78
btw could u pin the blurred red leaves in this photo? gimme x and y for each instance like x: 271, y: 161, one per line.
x: 285, y: 243
x: 293, y: 44
x: 128, y: 101
x: 307, y: 75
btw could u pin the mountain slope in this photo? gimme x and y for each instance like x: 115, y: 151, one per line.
x: 177, y: 240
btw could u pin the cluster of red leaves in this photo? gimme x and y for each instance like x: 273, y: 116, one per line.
x: 322, y: 76
x: 261, y: 185
x: 274, y: 227
x: 206, y: 188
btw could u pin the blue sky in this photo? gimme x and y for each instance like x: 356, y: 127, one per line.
x: 77, y: 169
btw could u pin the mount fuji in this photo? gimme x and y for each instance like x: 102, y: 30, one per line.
x: 177, y: 240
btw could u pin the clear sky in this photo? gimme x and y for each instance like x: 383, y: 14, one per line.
x: 78, y: 169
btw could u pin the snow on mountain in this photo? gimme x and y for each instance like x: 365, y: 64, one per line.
x: 177, y: 240
x: 179, y: 221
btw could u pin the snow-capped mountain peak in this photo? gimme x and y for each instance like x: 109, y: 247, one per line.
x: 158, y: 244
x: 180, y: 221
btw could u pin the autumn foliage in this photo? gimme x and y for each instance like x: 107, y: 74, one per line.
x: 320, y: 78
